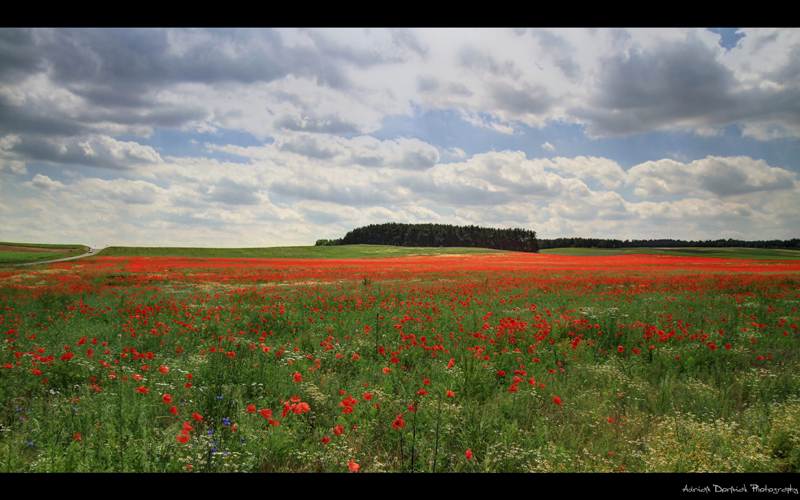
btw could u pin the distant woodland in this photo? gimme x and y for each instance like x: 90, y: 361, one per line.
x: 517, y: 240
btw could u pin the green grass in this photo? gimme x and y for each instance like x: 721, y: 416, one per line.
x: 10, y: 257
x: 298, y: 252
x: 721, y: 253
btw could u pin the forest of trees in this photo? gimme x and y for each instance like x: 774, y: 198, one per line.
x: 439, y: 235
x: 519, y: 240
x: 663, y: 243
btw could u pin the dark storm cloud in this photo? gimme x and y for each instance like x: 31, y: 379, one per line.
x: 18, y: 54
x: 420, y: 159
x: 530, y: 100
x: 677, y: 83
x: 119, y: 72
x: 306, y: 146
x: 23, y: 119
x: 427, y: 84
x: 724, y: 179
x: 470, y: 57
x: 560, y: 50
x: 651, y: 89
x: 70, y: 152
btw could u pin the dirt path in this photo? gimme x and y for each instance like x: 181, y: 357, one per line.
x: 95, y: 251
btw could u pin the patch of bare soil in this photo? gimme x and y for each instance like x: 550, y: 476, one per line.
x: 9, y: 248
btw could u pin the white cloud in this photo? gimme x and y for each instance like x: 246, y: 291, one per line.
x: 548, y: 147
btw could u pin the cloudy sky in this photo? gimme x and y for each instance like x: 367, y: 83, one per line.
x: 245, y: 137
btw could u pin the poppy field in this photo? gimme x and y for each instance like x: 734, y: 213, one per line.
x: 472, y: 363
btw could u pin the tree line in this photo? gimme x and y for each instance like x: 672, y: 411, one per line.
x: 438, y: 235
x: 663, y: 243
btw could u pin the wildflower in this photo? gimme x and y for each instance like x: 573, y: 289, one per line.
x: 338, y: 430
x: 451, y: 394
x: 611, y: 420
x: 163, y: 370
x: 173, y: 410
x: 451, y: 363
x: 77, y: 437
x: 264, y: 413
x: 325, y: 440
x: 427, y: 381
x: 251, y: 408
x: 422, y: 392
x: 166, y: 398
x: 298, y: 377
x: 468, y: 454
x: 398, y: 422
x: 274, y: 423
x: 501, y: 373
x: 513, y: 388
x: 621, y: 349
x: 142, y: 390
x: 557, y: 400
x: 386, y: 369
x: 368, y: 396
x: 183, y: 437
x: 353, y: 466
x: 197, y: 417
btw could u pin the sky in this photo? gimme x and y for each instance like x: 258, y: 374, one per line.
x: 276, y: 137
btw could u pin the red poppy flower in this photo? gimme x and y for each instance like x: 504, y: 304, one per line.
x: 412, y: 408
x: 77, y: 437
x: 353, y: 466
x: 251, y: 408
x: 451, y: 394
x: 338, y: 430
x: 513, y: 388
x: 531, y: 381
x: 166, y: 398
x: 621, y: 349
x: 89, y: 353
x: 142, y: 390
x: 265, y: 413
x: 368, y: 396
x: 188, y: 384
x: 298, y: 377
x: 398, y: 423
x: 501, y: 373
x: 173, y: 410
x: 610, y: 419
x: 197, y: 417
x: 422, y: 392
x: 557, y: 400
x: 427, y: 381
x: 67, y: 356
x: 386, y: 369
x: 274, y: 422
x: 183, y: 438
x: 468, y: 454
x: 163, y: 369
x: 451, y: 363
x: 325, y: 440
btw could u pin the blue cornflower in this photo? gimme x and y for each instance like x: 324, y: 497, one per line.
x: 219, y: 397
x: 30, y: 444
x: 242, y: 440
x: 74, y: 409
x: 19, y: 409
x: 211, y: 432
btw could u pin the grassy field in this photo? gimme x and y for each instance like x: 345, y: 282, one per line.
x: 11, y: 257
x: 484, y: 364
x: 721, y: 253
x: 298, y: 252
